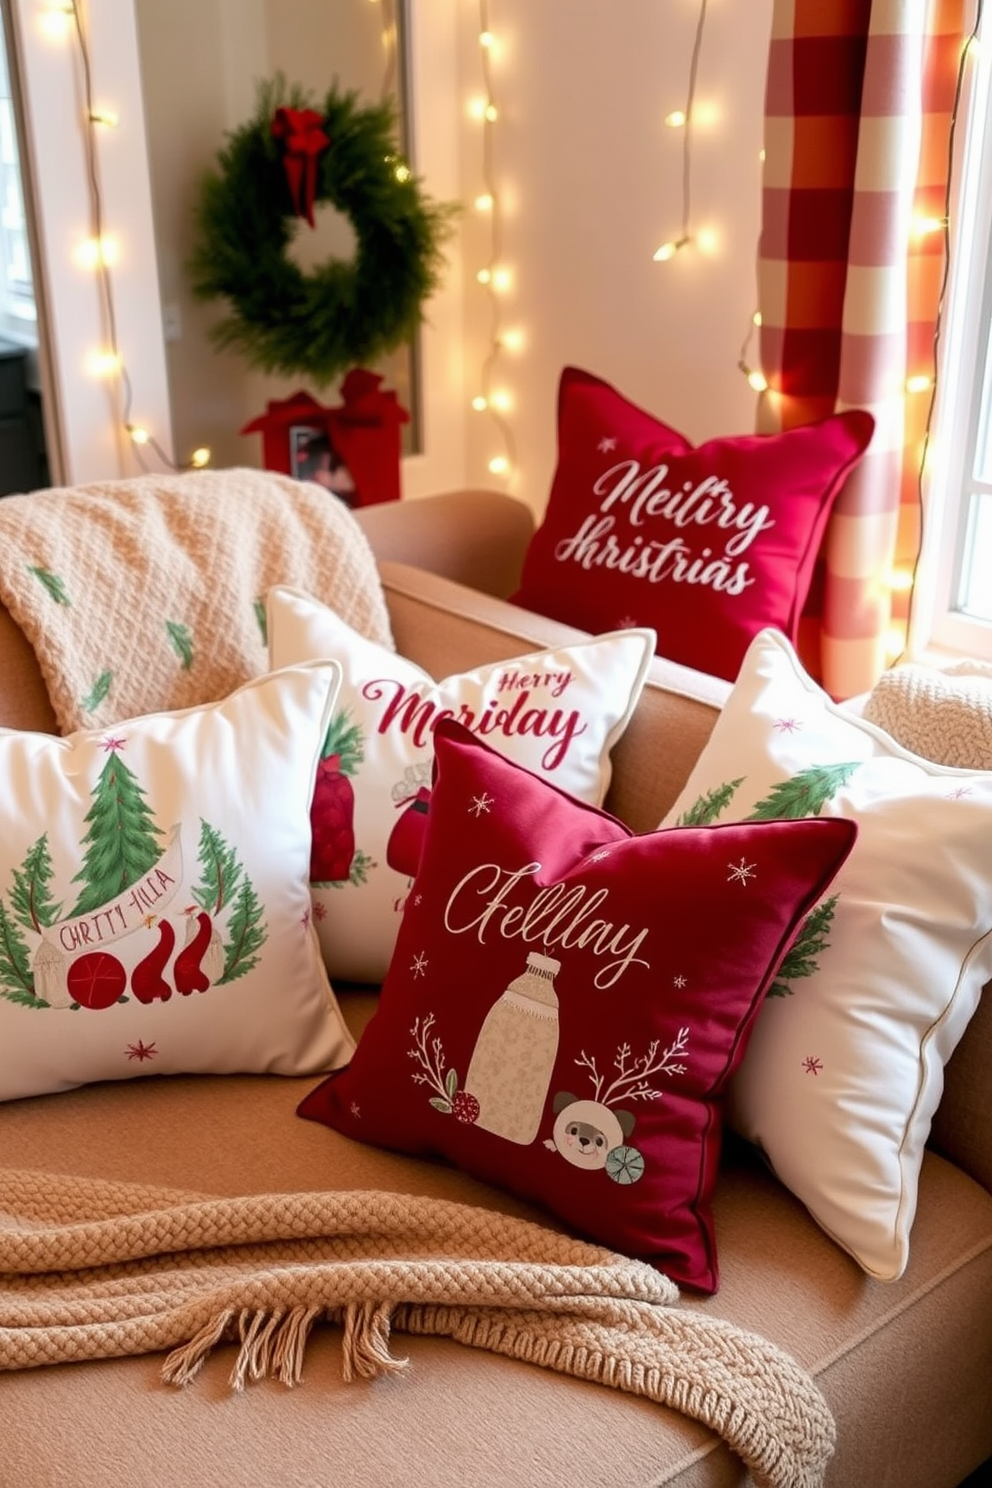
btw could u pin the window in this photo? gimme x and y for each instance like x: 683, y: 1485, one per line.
x: 953, y: 603
x: 18, y: 316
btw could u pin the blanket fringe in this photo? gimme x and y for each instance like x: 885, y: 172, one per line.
x: 365, y: 1344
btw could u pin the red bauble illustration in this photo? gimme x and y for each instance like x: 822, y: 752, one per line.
x: 96, y: 980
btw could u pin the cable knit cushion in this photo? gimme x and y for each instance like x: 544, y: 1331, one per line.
x: 559, y: 712
x: 846, y: 1068
x: 705, y: 544
x: 567, y: 1001
x: 154, y: 902
x: 945, y: 714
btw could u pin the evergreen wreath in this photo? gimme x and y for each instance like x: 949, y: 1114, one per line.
x: 342, y: 313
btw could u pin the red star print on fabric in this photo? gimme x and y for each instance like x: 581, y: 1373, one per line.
x: 113, y: 745
x: 141, y: 1052
x: 812, y: 1065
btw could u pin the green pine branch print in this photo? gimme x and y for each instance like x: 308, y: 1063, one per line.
x: 53, y: 584
x: 122, y: 843
x: 16, y: 979
x: 803, y: 794
x: 97, y: 693
x: 31, y: 898
x: 706, y: 808
x: 221, y: 869
x: 261, y: 619
x: 247, y: 934
x: 802, y: 957
x: 181, y: 641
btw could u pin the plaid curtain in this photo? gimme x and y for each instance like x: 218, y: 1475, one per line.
x: 858, y: 107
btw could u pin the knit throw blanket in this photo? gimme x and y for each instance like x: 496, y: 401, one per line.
x: 943, y: 714
x: 148, y: 594
x: 93, y: 1270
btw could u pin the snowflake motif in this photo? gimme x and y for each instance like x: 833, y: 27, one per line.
x: 305, y: 918
x: 740, y: 872
x: 678, y: 981
x: 419, y: 964
x: 812, y: 1065
x: 481, y: 804
x: 356, y: 1110
x: 607, y: 444
x: 787, y: 725
x: 959, y: 792
x: 113, y: 745
x: 626, y: 622
x: 418, y: 899
x: 319, y: 910
x: 141, y: 1052
x: 599, y: 857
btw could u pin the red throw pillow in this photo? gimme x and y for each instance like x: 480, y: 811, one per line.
x: 567, y: 1001
x: 706, y: 545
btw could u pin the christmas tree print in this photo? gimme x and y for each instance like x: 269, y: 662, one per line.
x: 223, y: 882
x: 52, y: 583
x: 97, y: 693
x: 181, y: 641
x: 706, y: 808
x: 803, y: 794
x: 30, y: 897
x: 122, y: 840
x: 332, y: 855
x: 16, y: 979
x: 801, y: 959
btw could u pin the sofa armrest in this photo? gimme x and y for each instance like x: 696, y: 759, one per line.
x: 477, y: 538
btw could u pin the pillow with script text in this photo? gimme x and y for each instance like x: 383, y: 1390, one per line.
x: 558, y: 712
x: 706, y: 545
x: 154, y: 899
x: 567, y: 1001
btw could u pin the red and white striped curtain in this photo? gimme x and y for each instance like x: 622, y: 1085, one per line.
x: 858, y: 108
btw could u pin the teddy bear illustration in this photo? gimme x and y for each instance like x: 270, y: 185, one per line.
x: 585, y: 1132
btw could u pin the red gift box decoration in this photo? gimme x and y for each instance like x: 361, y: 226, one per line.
x: 352, y: 449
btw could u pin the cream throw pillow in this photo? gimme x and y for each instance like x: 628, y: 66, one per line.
x: 845, y: 1067
x: 154, y: 899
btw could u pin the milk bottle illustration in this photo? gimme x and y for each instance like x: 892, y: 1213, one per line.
x: 510, y: 1070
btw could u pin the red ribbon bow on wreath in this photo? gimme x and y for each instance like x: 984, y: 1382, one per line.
x: 301, y: 132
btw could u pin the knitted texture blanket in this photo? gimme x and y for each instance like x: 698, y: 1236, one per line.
x: 92, y: 1270
x: 148, y: 594
x: 943, y: 714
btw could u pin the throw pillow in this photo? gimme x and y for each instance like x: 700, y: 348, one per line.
x: 154, y: 904
x: 706, y: 545
x: 567, y: 1001
x: 559, y: 712
x: 845, y: 1068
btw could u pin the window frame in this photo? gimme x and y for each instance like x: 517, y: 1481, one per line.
x: 939, y: 629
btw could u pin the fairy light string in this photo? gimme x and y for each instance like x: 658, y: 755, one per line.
x: 493, y: 275
x: 683, y: 119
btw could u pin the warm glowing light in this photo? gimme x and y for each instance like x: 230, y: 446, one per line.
x: 56, y: 21
x: 485, y: 276
x: 501, y: 400
x: 512, y: 340
x: 103, y: 363
x: 499, y: 465
x: 479, y: 403
x: 403, y: 173
x: 490, y: 113
x: 895, y: 641
x: 107, y: 117
x: 477, y: 108
x: 668, y: 250
x: 97, y: 251
x: 502, y: 279
x: 756, y: 318
x: 137, y: 433
x: 924, y: 225
x: 901, y: 581
x: 485, y: 38
x: 762, y: 155
x: 675, y: 119
x: 708, y: 240
x: 200, y: 458
x: 757, y: 380
x: 484, y: 203
x: 919, y: 383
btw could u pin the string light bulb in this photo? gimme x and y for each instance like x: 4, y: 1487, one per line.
x: 479, y: 403
x: 95, y: 252
x: 920, y: 382
x: 200, y: 458
x: 137, y: 434
x: 676, y: 119
x: 107, y: 117
x: 668, y: 250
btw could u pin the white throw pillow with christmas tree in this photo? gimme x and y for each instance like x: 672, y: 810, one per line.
x: 845, y: 1066
x: 154, y: 899
x: 557, y: 712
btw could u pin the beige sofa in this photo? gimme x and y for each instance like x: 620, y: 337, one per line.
x: 906, y: 1367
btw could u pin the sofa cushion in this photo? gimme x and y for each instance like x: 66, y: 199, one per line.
x: 559, y: 711
x: 845, y: 1068
x: 705, y: 544
x: 567, y: 1001
x: 154, y: 904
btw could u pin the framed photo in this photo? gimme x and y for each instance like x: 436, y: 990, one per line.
x: 313, y: 457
